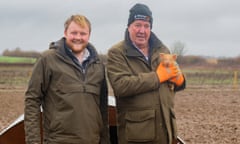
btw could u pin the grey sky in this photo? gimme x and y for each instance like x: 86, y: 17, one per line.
x: 206, y: 27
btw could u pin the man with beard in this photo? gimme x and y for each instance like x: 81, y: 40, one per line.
x: 143, y: 87
x: 68, y: 83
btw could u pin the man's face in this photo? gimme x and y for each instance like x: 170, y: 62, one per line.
x: 139, y: 32
x: 77, y: 37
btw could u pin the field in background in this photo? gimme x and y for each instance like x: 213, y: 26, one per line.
x: 199, y: 76
x: 16, y: 60
x: 206, y: 75
x: 207, y: 111
x: 15, y: 74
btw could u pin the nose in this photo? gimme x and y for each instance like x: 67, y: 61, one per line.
x: 78, y: 36
x: 142, y: 29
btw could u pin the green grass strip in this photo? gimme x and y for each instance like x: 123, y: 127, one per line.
x: 12, y: 60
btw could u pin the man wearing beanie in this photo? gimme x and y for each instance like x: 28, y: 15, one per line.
x: 141, y: 84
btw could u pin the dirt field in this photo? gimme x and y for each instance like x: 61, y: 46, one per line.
x: 209, y: 115
x: 205, y: 114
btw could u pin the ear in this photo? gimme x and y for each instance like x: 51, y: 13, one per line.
x: 174, y: 56
x: 161, y: 55
x: 65, y: 33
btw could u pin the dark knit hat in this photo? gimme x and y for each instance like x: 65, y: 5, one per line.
x: 140, y: 12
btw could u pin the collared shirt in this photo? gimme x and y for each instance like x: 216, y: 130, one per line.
x: 146, y: 57
x: 86, y: 56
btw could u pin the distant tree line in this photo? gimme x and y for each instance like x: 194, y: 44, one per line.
x: 191, y: 60
x: 19, y: 53
x: 179, y: 48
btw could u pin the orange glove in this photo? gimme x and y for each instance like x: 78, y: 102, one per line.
x: 179, y: 79
x: 165, y: 73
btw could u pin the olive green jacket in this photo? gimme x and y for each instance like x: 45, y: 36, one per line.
x: 74, y: 101
x: 145, y: 108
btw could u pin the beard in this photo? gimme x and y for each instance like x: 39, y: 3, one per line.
x: 77, y: 46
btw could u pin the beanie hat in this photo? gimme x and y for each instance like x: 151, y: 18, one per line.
x: 140, y: 12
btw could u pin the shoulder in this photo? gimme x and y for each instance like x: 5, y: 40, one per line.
x: 157, y: 44
x: 118, y: 47
x: 164, y: 49
x: 48, y: 53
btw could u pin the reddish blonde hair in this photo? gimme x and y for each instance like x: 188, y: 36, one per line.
x: 78, y: 19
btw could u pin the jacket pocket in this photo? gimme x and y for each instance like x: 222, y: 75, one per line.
x: 140, y: 126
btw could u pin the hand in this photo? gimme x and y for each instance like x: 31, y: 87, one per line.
x: 165, y: 73
x: 179, y: 79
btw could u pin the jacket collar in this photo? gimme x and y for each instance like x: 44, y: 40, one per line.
x: 61, y: 49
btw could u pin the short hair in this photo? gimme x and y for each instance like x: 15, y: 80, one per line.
x: 78, y: 19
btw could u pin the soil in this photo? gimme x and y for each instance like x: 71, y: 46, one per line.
x: 205, y: 114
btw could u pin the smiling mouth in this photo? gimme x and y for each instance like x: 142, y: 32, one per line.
x: 77, y: 42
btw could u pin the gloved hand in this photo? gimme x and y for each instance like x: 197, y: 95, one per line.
x: 179, y: 79
x: 165, y: 73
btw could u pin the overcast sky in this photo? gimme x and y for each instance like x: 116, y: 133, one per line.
x: 205, y: 27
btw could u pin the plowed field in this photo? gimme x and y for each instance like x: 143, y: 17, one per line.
x: 205, y: 114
